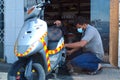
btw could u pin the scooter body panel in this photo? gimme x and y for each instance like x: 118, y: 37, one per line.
x: 30, y: 35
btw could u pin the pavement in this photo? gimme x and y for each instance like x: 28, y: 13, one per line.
x: 108, y: 73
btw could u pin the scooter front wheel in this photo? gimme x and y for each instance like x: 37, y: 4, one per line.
x: 17, y: 71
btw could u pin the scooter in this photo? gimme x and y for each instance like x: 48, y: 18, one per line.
x: 38, y: 49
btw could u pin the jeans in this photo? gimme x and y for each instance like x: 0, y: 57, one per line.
x: 87, y: 61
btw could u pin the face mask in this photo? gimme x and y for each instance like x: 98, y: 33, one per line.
x: 80, y: 30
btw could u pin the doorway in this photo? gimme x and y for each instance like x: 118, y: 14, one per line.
x: 97, y: 12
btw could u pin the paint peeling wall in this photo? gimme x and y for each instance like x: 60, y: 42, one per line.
x: 14, y: 19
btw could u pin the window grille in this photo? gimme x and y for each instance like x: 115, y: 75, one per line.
x: 1, y: 27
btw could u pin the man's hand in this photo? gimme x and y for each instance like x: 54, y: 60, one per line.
x: 69, y: 52
x: 58, y: 23
x: 67, y: 45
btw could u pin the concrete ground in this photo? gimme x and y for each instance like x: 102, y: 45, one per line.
x: 108, y: 73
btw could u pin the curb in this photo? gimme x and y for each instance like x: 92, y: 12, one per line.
x: 4, y: 67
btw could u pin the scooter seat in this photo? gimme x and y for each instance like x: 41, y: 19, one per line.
x: 52, y: 45
x: 54, y: 35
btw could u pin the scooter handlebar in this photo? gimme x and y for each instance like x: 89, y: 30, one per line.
x: 43, y: 4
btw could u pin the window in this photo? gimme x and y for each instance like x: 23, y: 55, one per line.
x: 100, y: 18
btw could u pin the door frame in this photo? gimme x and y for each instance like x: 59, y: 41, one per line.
x: 114, y: 29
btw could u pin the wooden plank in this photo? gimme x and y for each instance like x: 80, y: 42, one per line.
x: 113, y: 49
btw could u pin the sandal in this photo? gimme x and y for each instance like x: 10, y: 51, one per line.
x: 95, y: 72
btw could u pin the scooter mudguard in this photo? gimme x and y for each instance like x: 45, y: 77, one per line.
x: 28, y: 70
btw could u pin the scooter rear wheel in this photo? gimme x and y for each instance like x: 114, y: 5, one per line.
x: 17, y: 71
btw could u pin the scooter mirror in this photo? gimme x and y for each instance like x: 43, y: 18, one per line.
x: 39, y: 1
x: 25, y: 9
x: 43, y: 1
x: 48, y: 1
x: 36, y: 1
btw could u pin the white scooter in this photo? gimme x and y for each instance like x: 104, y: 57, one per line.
x: 40, y: 50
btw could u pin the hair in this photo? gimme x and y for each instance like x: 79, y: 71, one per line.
x: 80, y: 20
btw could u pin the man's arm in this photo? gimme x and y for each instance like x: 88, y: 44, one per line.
x: 79, y: 44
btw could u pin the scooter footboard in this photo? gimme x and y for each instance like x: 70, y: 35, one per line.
x: 58, y: 59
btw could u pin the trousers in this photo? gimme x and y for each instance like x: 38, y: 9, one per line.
x: 87, y: 61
